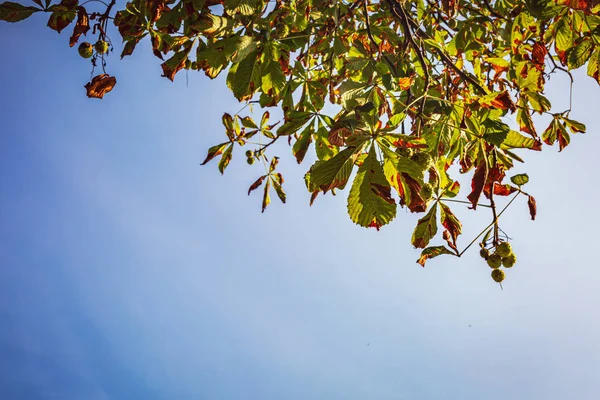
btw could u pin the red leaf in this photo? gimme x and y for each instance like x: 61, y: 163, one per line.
x: 448, y: 238
x: 100, y: 85
x: 156, y: 7
x: 538, y: 53
x: 532, y: 207
x: 502, y: 101
x: 81, y: 27
x: 256, y: 184
x: 416, y: 203
x: 478, y: 182
x: 452, y: 225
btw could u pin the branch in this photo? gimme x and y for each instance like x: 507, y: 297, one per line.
x: 370, y: 34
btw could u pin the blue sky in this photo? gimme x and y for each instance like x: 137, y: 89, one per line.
x: 129, y: 271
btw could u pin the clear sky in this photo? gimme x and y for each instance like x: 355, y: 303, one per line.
x: 128, y: 271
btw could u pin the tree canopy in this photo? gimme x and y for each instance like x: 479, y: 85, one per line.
x: 390, y: 94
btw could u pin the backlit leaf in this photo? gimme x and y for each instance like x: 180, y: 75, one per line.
x: 370, y: 203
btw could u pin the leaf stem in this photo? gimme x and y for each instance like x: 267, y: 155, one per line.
x: 489, y: 225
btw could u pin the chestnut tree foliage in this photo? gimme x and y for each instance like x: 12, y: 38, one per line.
x: 389, y: 93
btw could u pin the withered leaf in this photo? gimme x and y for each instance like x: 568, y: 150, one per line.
x: 81, y: 27
x: 532, y: 207
x: 100, y: 85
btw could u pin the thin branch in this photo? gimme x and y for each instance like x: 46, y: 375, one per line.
x: 370, y: 34
x: 490, y: 225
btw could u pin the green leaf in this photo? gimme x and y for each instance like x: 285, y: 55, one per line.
x: 593, y: 68
x: 432, y: 252
x: 580, y: 54
x: 426, y: 229
x: 573, y: 125
x: 244, y: 7
x: 273, y: 79
x: 62, y: 14
x: 215, y: 151
x: 301, y: 145
x: 564, y: 33
x: 225, y: 159
x: 277, y: 181
x: 370, y: 203
x: 333, y: 173
x: 14, y: 12
x: 266, y: 197
x: 515, y: 140
x: 244, y: 77
x: 520, y: 179
x: 538, y: 102
x: 245, y: 46
x: 495, y: 131
x: 198, y: 4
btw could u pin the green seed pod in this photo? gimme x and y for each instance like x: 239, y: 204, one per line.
x: 509, y: 260
x: 86, y: 50
x: 484, y: 253
x: 250, y: 160
x: 249, y: 153
x: 194, y: 65
x: 504, y: 249
x: 422, y: 159
x: 494, y: 261
x: 101, y: 47
x: 498, y: 275
x: 404, y: 152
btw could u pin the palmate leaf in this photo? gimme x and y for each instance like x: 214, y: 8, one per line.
x: 370, y: 203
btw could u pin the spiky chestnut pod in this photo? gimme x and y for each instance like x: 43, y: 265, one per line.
x: 484, y: 253
x: 504, y: 249
x: 250, y: 160
x: 509, y: 260
x: 101, y: 47
x: 404, y: 152
x: 426, y: 191
x: 422, y: 159
x: 498, y: 275
x: 249, y: 153
x: 86, y: 50
x: 494, y: 261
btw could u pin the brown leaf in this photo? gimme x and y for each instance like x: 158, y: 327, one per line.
x: 532, y: 207
x: 416, y: 202
x: 156, y: 7
x: 81, y: 27
x: 452, y: 225
x: 538, y: 53
x: 478, y: 182
x: 502, y: 101
x: 100, y: 85
x: 448, y: 238
x: 256, y: 184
